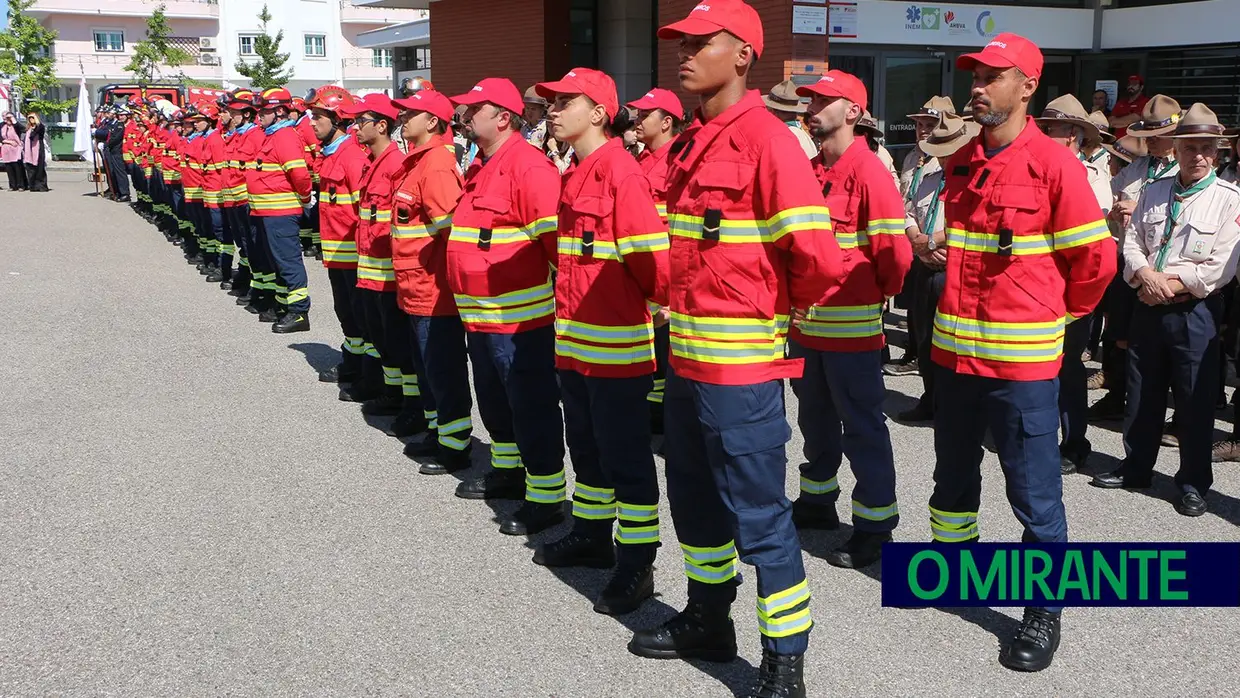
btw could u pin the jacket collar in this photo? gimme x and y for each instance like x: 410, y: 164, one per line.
x: 696, y: 139
x: 581, y: 174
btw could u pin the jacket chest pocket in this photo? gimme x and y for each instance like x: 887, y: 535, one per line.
x: 1200, y: 237
x: 1016, y: 209
x: 717, y: 187
x: 591, y: 239
x: 490, y: 208
x: 1152, y: 228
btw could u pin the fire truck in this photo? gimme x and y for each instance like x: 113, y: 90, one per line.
x: 180, y: 95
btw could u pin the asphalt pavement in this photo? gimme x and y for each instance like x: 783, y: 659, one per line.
x: 185, y: 510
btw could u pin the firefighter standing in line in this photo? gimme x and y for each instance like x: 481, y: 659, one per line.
x: 374, y: 118
x: 612, y: 253
x: 193, y: 179
x: 660, y: 118
x: 1028, y: 251
x: 279, y: 195
x: 840, y: 337
x: 233, y: 197
x: 261, y: 296
x: 499, y: 255
x: 340, y: 168
x: 213, y: 196
x: 307, y: 233
x: 750, y: 240
x: 172, y: 164
x: 1179, y: 253
x: 428, y: 188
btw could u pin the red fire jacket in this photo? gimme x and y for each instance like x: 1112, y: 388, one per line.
x: 281, y: 182
x: 867, y: 215
x: 129, y: 133
x: 340, y: 184
x: 655, y: 165
x: 249, y: 144
x: 232, y: 177
x: 310, y: 143
x: 1028, y: 251
x: 503, y: 241
x: 374, y: 230
x: 172, y: 156
x: 213, y: 163
x: 750, y: 237
x: 612, y: 250
x: 428, y: 187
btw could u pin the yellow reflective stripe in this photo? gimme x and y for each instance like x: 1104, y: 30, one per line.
x: 264, y: 202
x: 1081, y: 235
x: 499, y: 236
x: 1007, y: 342
x: 293, y: 165
x: 602, y: 334
x: 340, y: 251
x: 342, y: 198
x: 809, y: 486
x: 515, y: 306
x: 650, y: 242
x: 542, y: 225
x: 710, y: 565
x: 661, y: 208
x: 989, y: 242
x: 575, y: 247
x: 794, y: 220
x: 953, y: 526
x: 728, y: 329
x: 442, y: 222
x: 381, y: 215
x: 375, y: 269
x: 412, y: 232
x: 843, y: 322
x: 730, y: 232
x: 1001, y: 331
x: 607, y: 356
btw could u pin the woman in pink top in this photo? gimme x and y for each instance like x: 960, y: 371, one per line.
x: 33, y: 153
x: 11, y: 151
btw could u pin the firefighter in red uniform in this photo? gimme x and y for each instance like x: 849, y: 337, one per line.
x: 309, y: 232
x: 750, y: 236
x: 499, y: 256
x: 612, y: 254
x: 841, y: 339
x: 428, y: 187
x: 340, y: 179
x: 660, y: 118
x: 233, y: 206
x: 193, y: 179
x: 375, y: 120
x: 279, y: 194
x: 213, y: 196
x: 170, y: 160
x: 251, y: 136
x: 1028, y: 252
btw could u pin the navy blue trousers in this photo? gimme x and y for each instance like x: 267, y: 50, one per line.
x: 726, y: 470
x: 285, y: 250
x: 236, y: 229
x: 515, y: 382
x: 1174, y: 347
x: 443, y: 375
x: 607, y: 426
x: 1023, y: 418
x: 841, y: 414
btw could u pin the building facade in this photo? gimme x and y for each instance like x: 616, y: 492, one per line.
x: 96, y: 39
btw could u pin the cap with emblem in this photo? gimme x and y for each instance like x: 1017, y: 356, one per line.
x: 784, y: 97
x: 734, y: 17
x: 935, y: 107
x: 659, y: 98
x: 498, y: 91
x: 595, y: 84
x: 1006, y: 50
x: 430, y: 101
x: 1128, y: 148
x: 951, y: 134
x: 376, y: 102
x: 837, y: 83
x: 1158, y: 118
x: 1067, y: 109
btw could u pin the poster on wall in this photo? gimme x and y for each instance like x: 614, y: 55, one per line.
x: 809, y: 20
x: 843, y: 20
x: 1111, y: 87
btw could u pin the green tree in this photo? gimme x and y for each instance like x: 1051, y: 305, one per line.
x: 156, y: 50
x: 26, y: 57
x: 268, y: 71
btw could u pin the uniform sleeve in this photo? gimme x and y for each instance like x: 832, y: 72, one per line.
x: 1136, y: 256
x: 641, y: 238
x: 889, y: 249
x: 796, y: 215
x: 1081, y: 238
x: 441, y: 190
x: 538, y: 205
x: 293, y: 161
x: 1219, y: 268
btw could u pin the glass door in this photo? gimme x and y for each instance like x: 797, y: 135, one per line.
x: 908, y: 81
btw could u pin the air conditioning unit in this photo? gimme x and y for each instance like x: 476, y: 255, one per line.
x: 208, y: 59
x: 206, y: 43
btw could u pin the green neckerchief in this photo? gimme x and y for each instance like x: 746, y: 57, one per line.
x: 1150, y: 175
x: 912, y: 189
x: 1178, y: 196
x: 932, y: 215
x: 1091, y: 158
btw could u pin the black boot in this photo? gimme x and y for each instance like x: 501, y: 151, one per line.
x: 1035, y: 643
x: 780, y: 676
x: 410, y: 423
x: 578, y: 549
x: 330, y: 375
x: 447, y: 460
x: 425, y: 447
x: 863, y: 549
x: 359, y: 392
x: 268, y: 315
x: 498, y: 483
x: 292, y: 322
x: 810, y: 515
x: 387, y: 405
x: 531, y: 518
x: 629, y: 587
x: 215, y: 275
x: 226, y: 285
x: 698, y: 632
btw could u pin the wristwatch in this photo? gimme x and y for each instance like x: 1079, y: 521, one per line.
x: 932, y: 245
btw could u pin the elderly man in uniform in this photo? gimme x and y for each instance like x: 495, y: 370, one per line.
x: 1179, y: 252
x: 1066, y: 122
x: 783, y: 102
x: 1158, y: 121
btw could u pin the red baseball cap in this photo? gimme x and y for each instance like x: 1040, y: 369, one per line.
x: 594, y: 84
x: 1136, y: 77
x: 659, y: 98
x: 1006, y: 50
x: 498, y: 91
x: 376, y: 102
x: 710, y: 16
x: 429, y: 101
x: 837, y: 83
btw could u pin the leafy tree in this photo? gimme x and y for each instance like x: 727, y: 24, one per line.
x: 26, y: 56
x: 155, y: 50
x: 268, y: 71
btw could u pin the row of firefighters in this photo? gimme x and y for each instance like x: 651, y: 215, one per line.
x: 670, y: 293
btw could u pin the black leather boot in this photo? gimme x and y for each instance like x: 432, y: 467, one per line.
x: 215, y: 275
x: 330, y: 375
x: 386, y: 405
x: 411, y: 423
x: 862, y: 550
x: 498, y: 483
x: 358, y: 392
x: 780, y: 676
x: 447, y: 460
x: 267, y: 315
x: 579, y: 549
x: 292, y: 322
x: 628, y: 589
x: 531, y: 518
x: 1035, y: 643
x: 425, y: 447
x: 818, y: 516
x: 698, y: 632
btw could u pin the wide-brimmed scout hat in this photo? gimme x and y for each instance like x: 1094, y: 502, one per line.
x: 1158, y: 118
x: 1104, y: 126
x: 1199, y: 122
x: 951, y: 134
x: 1128, y: 148
x: 783, y: 97
x: 867, y: 122
x: 934, y: 107
x: 1067, y: 109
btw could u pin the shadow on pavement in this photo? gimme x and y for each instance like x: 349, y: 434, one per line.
x: 320, y: 356
x: 897, y: 402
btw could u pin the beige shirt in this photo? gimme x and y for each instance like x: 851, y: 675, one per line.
x: 909, y: 172
x: 1127, y: 185
x: 917, y: 205
x: 807, y: 143
x: 1100, y: 182
x: 1102, y: 159
x: 890, y: 163
x: 1203, y: 241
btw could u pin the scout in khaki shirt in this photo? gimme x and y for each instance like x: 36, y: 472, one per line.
x: 917, y: 164
x: 1092, y: 150
x: 1179, y: 252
